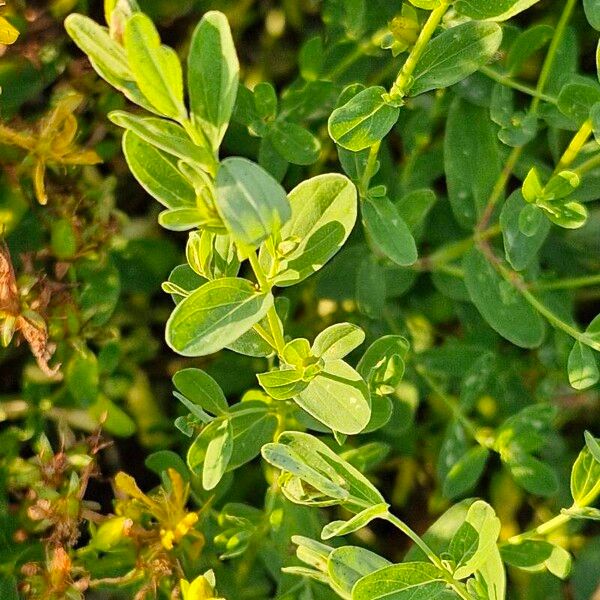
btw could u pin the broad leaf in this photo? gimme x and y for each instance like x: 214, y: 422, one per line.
x: 582, y: 367
x: 157, y: 173
x: 296, y: 144
x: 472, y: 160
x: 506, y: 311
x: 323, y: 214
x: 348, y: 564
x: 363, y: 121
x: 251, y: 203
x: 406, y: 581
x: 200, y: 388
x: 215, y: 315
x: 337, y: 341
x: 156, y: 68
x: 337, y: 397
x: 388, y: 231
x: 497, y: 10
x: 454, y: 55
x: 213, y: 74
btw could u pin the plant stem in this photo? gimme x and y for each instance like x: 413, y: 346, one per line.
x: 404, y: 528
x: 568, y: 284
x: 273, y: 318
x: 574, y: 148
x: 588, y: 165
x: 399, y: 88
x: 363, y: 186
x: 552, y: 50
x: 515, y: 85
x: 540, y: 530
x: 450, y: 252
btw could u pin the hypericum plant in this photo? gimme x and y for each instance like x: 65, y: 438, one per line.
x: 494, y: 265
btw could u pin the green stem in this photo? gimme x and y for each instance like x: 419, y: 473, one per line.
x: 517, y: 282
x: 365, y: 182
x: 574, y: 148
x: 568, y: 284
x: 540, y: 530
x: 454, y: 250
x: 552, y: 50
x: 500, y: 186
x: 404, y: 528
x: 515, y: 85
x: 588, y: 165
x: 400, y: 86
x: 273, y: 318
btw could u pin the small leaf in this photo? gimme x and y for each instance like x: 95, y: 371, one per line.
x: 537, y: 555
x: 513, y: 318
x: 251, y: 203
x: 405, y: 581
x: 363, y: 121
x: 337, y: 341
x: 464, y: 474
x: 338, y: 398
x: 389, y: 232
x: 583, y: 370
x: 532, y: 474
x: 156, y: 68
x: 200, y: 388
x: 213, y: 74
x: 348, y: 564
x: 215, y: 315
x: 362, y: 519
x: 296, y: 144
x: 218, y: 454
x: 497, y: 10
x: 282, y: 384
x: 157, y: 173
x: 585, y: 478
x: 454, y: 55
x: 323, y: 214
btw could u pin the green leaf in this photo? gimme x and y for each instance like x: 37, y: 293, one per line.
x: 323, y: 215
x: 363, y: 121
x: 213, y: 75
x: 253, y: 425
x: 218, y: 454
x: 348, y: 564
x: 454, y: 55
x: 362, y: 519
x: 215, y: 315
x: 464, y: 474
x: 406, y: 581
x: 157, y: 173
x: 295, y: 143
x: 582, y: 367
x: 520, y: 249
x: 475, y: 540
x: 577, y: 99
x: 371, y: 287
x: 156, y: 68
x: 181, y: 219
x: 585, y: 478
x: 528, y: 42
x: 472, y: 160
x: 251, y: 203
x: 82, y: 376
x: 106, y: 56
x: 537, y: 555
x: 211, y: 255
x: 512, y: 317
x: 388, y: 231
x: 532, y: 474
x: 497, y: 10
x: 382, y: 365
x: 592, y: 12
x: 164, y: 135
x: 282, y: 384
x: 337, y: 341
x: 113, y: 418
x: 303, y: 459
x: 592, y: 445
x: 337, y: 397
x: 201, y: 389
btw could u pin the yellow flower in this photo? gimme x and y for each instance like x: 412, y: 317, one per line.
x: 8, y: 32
x: 202, y: 588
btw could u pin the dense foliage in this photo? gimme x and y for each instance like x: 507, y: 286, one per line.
x: 354, y: 353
